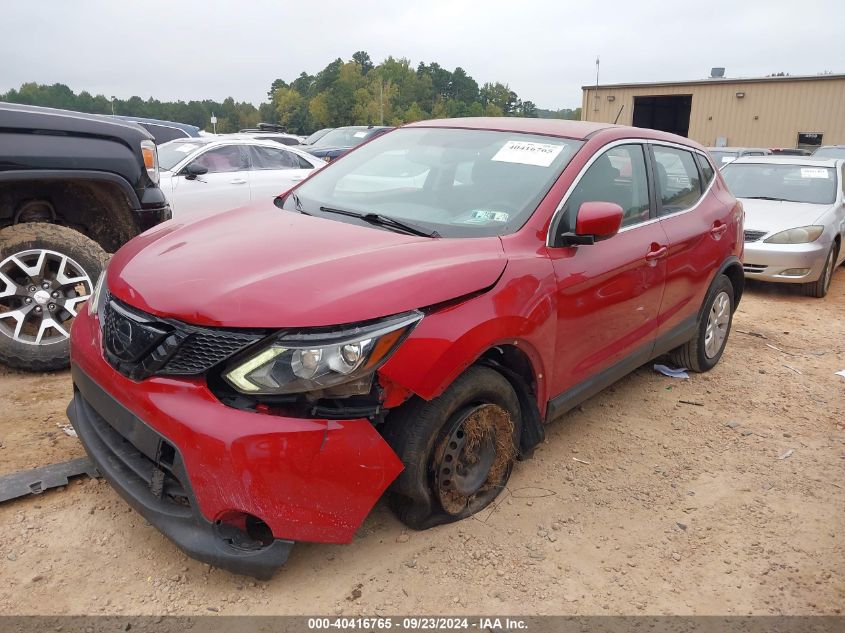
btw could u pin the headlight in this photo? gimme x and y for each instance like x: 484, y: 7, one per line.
x: 98, y: 294
x: 150, y: 154
x: 313, y: 361
x: 801, y: 235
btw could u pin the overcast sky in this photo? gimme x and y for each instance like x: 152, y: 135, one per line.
x: 545, y: 51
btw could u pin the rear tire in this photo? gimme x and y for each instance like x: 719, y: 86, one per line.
x: 458, y: 449
x: 820, y: 287
x: 702, y: 352
x: 46, y: 270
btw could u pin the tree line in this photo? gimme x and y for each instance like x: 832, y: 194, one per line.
x: 353, y: 92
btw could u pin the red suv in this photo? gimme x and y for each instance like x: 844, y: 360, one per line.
x: 407, y: 319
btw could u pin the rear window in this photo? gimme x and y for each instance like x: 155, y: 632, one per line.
x: 679, y: 185
x: 723, y: 158
x: 790, y: 183
x: 706, y: 169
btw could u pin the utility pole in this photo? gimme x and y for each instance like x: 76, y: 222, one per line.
x: 112, y: 105
x: 596, y: 99
x: 381, y: 102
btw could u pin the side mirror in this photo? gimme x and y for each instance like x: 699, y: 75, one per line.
x: 596, y: 221
x: 195, y: 169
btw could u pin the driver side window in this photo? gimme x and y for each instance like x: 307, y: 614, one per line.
x: 618, y: 176
x: 222, y: 159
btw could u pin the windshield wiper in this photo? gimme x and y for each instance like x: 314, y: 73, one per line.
x: 385, y: 221
x: 765, y: 198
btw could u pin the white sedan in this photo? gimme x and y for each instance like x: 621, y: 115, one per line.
x: 208, y: 175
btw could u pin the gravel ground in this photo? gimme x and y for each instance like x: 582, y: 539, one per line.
x: 636, y: 503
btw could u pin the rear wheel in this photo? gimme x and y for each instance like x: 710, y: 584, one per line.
x: 820, y: 287
x: 458, y: 449
x: 703, y: 351
x: 46, y: 274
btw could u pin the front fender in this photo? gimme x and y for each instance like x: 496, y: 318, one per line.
x: 518, y: 311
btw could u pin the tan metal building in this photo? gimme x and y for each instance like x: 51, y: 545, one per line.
x: 799, y: 111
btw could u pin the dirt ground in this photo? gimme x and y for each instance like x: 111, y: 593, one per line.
x: 636, y: 503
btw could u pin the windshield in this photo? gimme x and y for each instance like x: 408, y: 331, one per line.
x: 830, y: 152
x: 459, y: 183
x: 343, y: 137
x: 791, y: 183
x: 722, y: 158
x: 170, y: 154
x: 316, y: 136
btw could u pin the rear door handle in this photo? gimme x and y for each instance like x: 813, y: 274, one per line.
x: 718, y: 230
x: 238, y: 181
x: 656, y: 252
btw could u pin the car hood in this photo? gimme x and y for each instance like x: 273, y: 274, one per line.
x: 262, y: 267
x: 773, y: 216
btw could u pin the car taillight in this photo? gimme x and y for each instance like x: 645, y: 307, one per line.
x: 150, y: 155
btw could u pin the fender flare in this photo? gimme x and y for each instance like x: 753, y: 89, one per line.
x: 28, y: 175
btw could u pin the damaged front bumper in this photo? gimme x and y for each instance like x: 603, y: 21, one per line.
x: 231, y: 488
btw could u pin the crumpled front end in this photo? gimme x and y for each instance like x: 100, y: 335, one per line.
x: 231, y: 487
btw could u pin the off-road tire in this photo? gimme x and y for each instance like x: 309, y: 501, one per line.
x: 820, y: 287
x: 691, y: 354
x: 416, y: 430
x: 83, y: 250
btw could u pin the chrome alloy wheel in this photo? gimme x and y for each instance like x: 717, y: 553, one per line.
x: 717, y: 324
x: 41, y: 291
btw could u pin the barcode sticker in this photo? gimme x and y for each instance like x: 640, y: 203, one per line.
x: 528, y: 153
x: 815, y: 172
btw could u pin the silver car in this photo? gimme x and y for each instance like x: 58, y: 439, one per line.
x: 724, y: 155
x: 794, y: 218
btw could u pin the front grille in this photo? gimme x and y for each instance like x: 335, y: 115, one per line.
x: 753, y: 268
x: 201, y: 351
x: 753, y: 236
x: 140, y: 345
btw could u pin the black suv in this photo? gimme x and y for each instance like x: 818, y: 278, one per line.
x: 73, y: 188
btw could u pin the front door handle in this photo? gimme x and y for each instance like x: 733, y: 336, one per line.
x: 657, y: 252
x: 238, y: 181
x: 718, y: 230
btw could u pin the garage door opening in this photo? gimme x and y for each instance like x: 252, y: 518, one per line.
x: 667, y: 113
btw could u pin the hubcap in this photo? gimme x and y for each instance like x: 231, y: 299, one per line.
x: 717, y: 324
x: 40, y: 293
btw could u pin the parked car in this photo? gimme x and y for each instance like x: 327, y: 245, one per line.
x: 830, y: 151
x: 795, y: 218
x: 217, y: 174
x: 790, y: 151
x: 164, y: 131
x: 316, y: 136
x: 277, y: 137
x: 340, y: 140
x: 73, y: 187
x: 724, y: 155
x: 260, y: 377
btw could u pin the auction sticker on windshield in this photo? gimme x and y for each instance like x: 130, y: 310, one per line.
x: 483, y: 215
x: 814, y: 172
x: 528, y: 153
